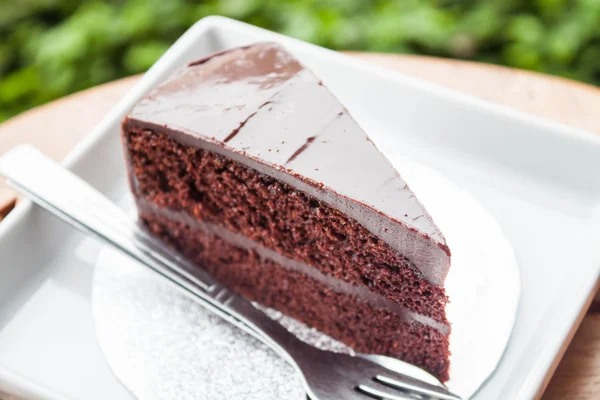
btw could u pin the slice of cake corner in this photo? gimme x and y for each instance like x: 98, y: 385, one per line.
x: 246, y: 163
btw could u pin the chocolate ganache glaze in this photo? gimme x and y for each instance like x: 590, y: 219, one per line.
x: 260, y: 107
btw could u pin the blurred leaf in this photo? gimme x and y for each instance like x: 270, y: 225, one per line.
x: 589, y: 63
x: 238, y: 9
x: 301, y: 24
x: 428, y: 26
x: 14, y: 11
x: 526, y: 29
x: 481, y: 22
x: 19, y: 84
x: 564, y: 42
x: 6, y: 57
x: 522, y: 56
x: 63, y: 44
x: 140, y: 57
x: 135, y: 20
x: 57, y: 80
x: 550, y: 8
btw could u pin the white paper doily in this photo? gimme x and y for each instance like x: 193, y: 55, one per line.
x: 163, y: 345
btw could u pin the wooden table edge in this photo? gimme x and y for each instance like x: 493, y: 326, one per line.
x: 370, y: 56
x: 569, y: 338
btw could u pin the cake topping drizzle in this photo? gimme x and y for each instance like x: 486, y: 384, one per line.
x: 301, y: 149
x: 244, y: 122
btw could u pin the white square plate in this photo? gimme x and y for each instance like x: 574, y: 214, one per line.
x: 537, y: 178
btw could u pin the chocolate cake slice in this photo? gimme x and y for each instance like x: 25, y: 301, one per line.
x: 248, y: 165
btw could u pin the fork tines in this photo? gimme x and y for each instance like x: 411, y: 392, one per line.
x: 386, y: 388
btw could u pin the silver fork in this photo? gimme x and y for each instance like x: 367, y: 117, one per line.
x: 326, y: 375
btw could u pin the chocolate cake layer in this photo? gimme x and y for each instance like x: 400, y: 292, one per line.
x: 344, y: 316
x: 259, y: 106
x: 183, y: 221
x: 207, y: 187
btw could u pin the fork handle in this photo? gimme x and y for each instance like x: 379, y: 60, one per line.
x: 73, y: 200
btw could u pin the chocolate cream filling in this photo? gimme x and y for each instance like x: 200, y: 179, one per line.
x: 338, y: 285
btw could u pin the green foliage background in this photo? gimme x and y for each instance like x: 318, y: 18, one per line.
x: 49, y: 48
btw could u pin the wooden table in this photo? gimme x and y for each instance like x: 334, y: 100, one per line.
x: 56, y: 127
